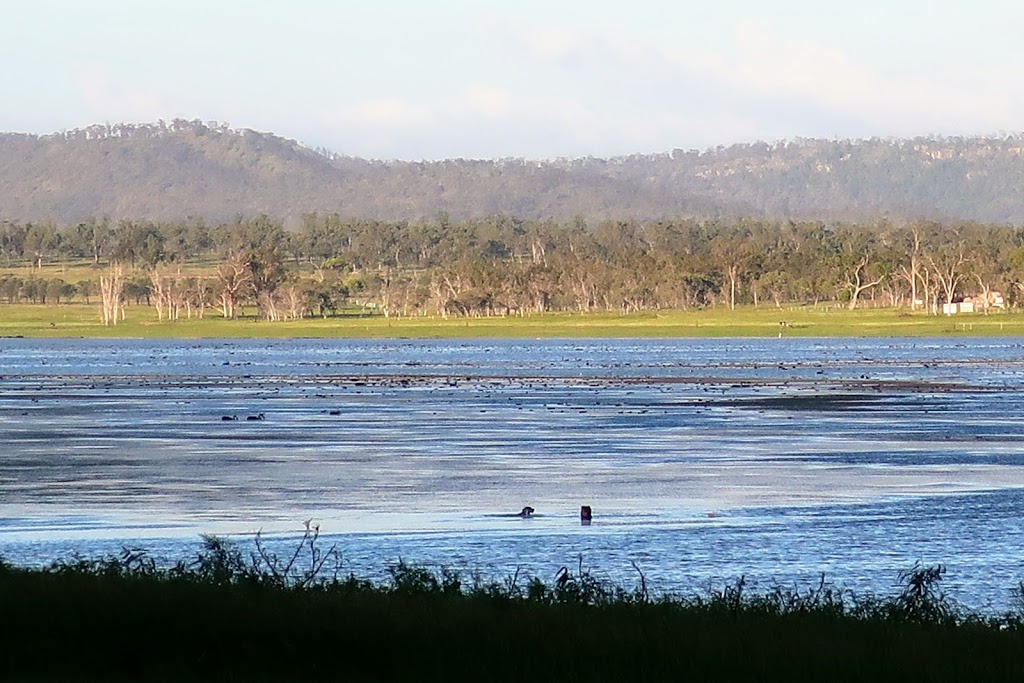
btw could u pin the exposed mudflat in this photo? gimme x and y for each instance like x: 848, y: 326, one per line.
x: 701, y: 458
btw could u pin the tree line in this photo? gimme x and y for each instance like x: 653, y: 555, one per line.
x: 509, y: 266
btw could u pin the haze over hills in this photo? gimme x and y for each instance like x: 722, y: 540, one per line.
x: 188, y: 168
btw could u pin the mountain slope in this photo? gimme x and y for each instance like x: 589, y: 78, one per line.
x: 170, y: 171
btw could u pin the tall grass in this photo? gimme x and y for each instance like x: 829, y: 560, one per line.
x: 228, y: 615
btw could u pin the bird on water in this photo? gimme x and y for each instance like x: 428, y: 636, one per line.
x: 586, y: 515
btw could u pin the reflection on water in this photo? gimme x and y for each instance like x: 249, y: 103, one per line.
x: 702, y: 459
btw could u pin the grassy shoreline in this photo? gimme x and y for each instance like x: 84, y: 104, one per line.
x: 227, y: 616
x: 81, y: 320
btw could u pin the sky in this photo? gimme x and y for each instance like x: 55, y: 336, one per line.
x: 396, y: 79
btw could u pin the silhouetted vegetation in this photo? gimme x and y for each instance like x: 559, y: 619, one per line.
x: 230, y: 615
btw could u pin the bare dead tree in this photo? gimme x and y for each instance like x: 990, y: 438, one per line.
x: 111, y: 288
x: 856, y: 280
x: 233, y: 276
x: 911, y: 272
x: 948, y: 273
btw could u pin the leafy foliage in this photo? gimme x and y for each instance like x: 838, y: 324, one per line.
x: 502, y: 266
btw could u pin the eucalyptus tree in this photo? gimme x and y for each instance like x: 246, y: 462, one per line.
x: 184, y: 240
x: 911, y: 267
x: 88, y: 239
x: 856, y: 263
x: 85, y: 289
x: 12, y: 241
x: 10, y: 288
x: 988, y: 252
x: 731, y: 253
x: 326, y: 296
x: 57, y: 290
x: 321, y: 241
x: 1016, y: 272
x: 33, y: 289
x: 234, y: 279
x: 41, y: 241
x: 576, y: 264
x: 506, y: 265
x: 111, y: 290
x: 172, y: 293
x: 778, y: 284
x: 102, y: 235
x: 137, y: 243
x: 253, y: 263
x: 948, y: 266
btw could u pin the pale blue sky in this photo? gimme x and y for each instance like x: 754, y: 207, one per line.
x: 455, y: 78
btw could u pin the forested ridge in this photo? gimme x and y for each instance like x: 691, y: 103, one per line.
x: 174, y: 170
x: 191, y: 217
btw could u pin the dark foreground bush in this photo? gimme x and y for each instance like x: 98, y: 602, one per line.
x: 227, y: 617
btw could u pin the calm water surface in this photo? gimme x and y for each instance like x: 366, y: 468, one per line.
x: 704, y: 460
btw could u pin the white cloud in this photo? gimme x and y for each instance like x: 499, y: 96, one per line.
x: 566, y: 91
x: 760, y: 74
x: 542, y: 42
x: 107, y: 100
x: 769, y: 64
x: 490, y: 101
x: 536, y: 79
x: 390, y: 112
x: 479, y: 121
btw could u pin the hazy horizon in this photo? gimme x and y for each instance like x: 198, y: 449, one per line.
x: 405, y: 81
x: 702, y: 150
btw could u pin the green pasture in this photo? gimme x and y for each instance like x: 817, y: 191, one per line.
x: 81, y: 320
x: 76, y: 270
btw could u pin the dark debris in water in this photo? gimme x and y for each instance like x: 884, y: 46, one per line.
x: 807, y: 402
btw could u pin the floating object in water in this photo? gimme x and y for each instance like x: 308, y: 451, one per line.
x: 526, y: 512
x: 712, y: 515
x: 253, y: 418
x: 335, y: 412
x: 228, y: 418
x: 586, y: 514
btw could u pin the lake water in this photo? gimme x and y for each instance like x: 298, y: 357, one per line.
x: 703, y: 460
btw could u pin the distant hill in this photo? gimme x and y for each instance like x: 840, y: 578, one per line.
x: 168, y: 171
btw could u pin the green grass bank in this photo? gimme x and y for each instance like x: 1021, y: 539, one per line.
x: 80, y: 320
